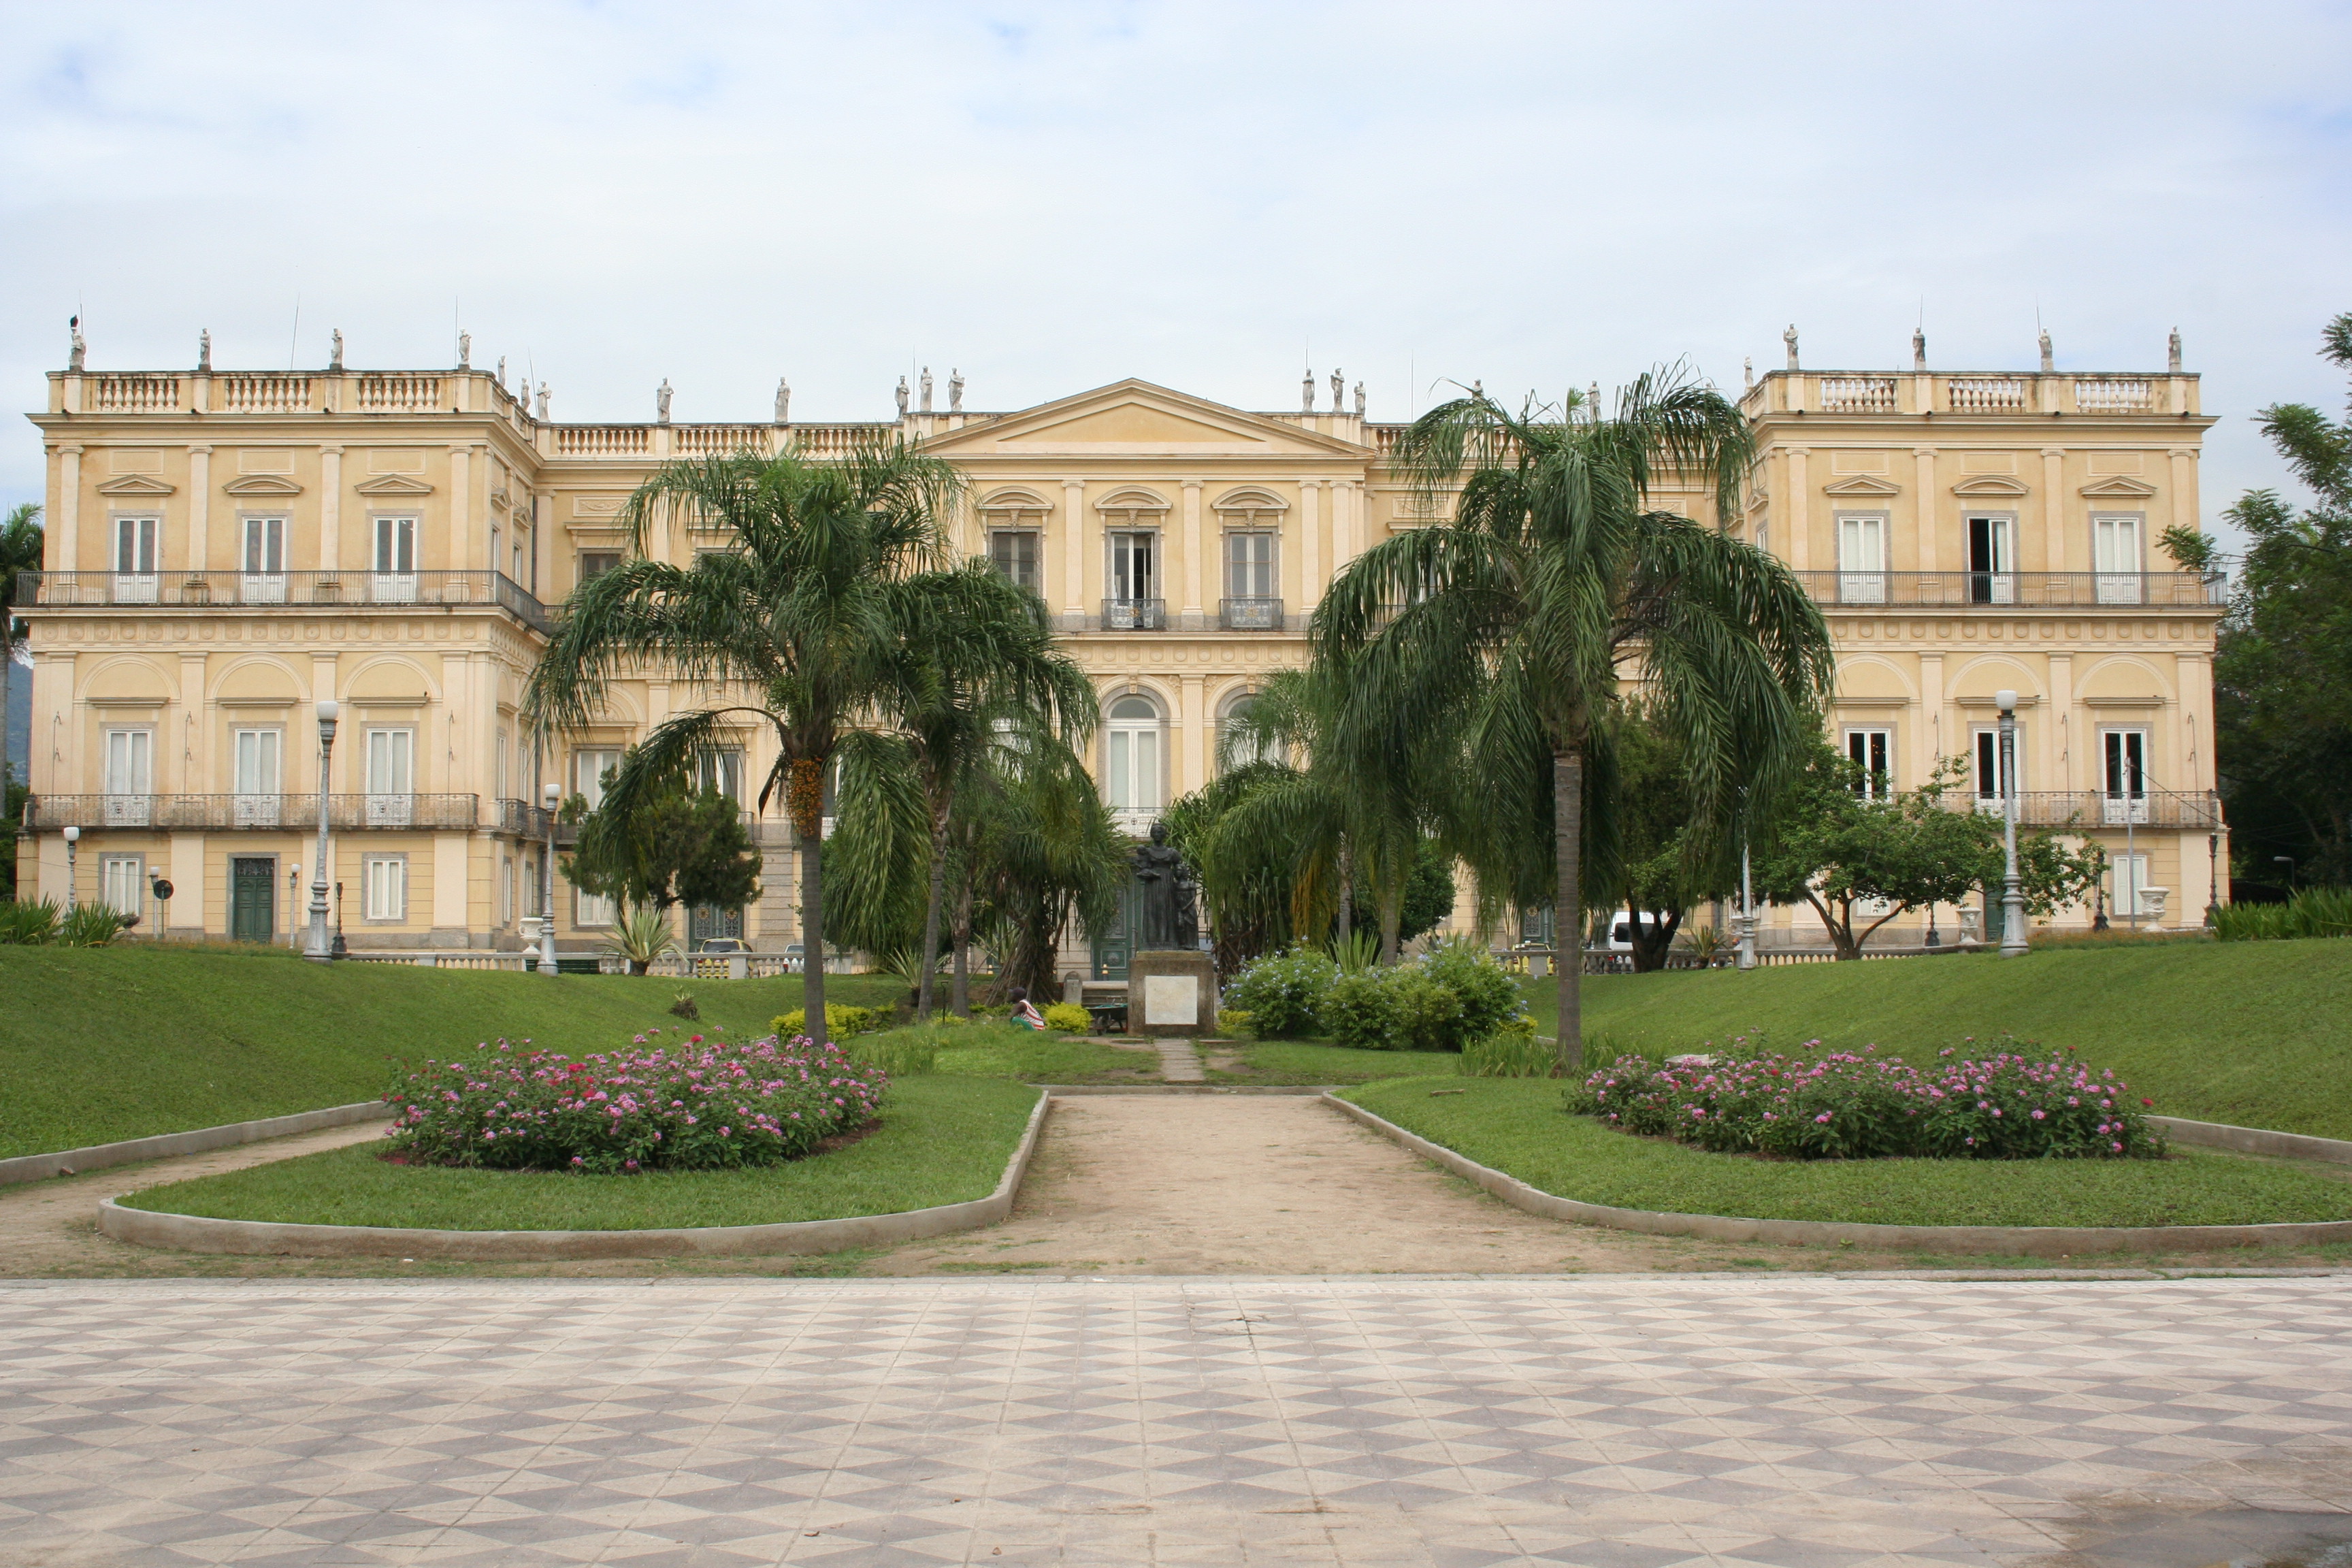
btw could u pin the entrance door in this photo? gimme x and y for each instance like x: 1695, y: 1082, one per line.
x: 252, y: 899
x: 394, y: 581
x: 134, y: 560
x: 1115, y: 944
x: 707, y: 921
x: 1862, y: 559
x: 2116, y: 557
x: 2124, y: 775
x: 129, y: 774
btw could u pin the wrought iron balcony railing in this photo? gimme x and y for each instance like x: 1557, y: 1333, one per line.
x: 1135, y: 616
x: 309, y: 590
x: 266, y: 813
x: 525, y: 820
x: 1250, y: 615
x: 2084, y: 809
x: 2017, y: 590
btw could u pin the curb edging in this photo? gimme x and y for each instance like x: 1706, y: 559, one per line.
x: 2255, y: 1140
x: 2030, y: 1241
x: 197, y: 1233
x: 196, y: 1140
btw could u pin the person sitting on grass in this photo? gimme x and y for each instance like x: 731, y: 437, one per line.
x: 1024, y: 1015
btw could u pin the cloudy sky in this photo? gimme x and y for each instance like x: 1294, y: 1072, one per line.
x: 1050, y: 197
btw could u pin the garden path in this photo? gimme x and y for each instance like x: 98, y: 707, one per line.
x: 1258, y: 1185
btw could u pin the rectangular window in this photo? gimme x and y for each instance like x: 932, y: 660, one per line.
x: 255, y: 778
x: 390, y: 777
x: 386, y: 880
x: 591, y: 909
x: 2126, y: 883
x: 500, y: 782
x: 721, y: 771
x: 122, y: 883
x: 1988, y: 779
x: 1133, y: 758
x: 506, y: 891
x: 1249, y: 565
x: 1862, y: 559
x: 1015, y: 555
x: 135, y: 559
x: 1992, y: 559
x: 263, y: 580
x: 394, y: 581
x: 1134, y: 569
x: 596, y: 563
x: 2123, y: 775
x: 1873, y: 750
x: 590, y: 770
x: 129, y: 777
x: 533, y: 888
x: 2116, y: 557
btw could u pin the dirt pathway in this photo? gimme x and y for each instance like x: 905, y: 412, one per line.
x: 53, y: 1225
x: 1257, y: 1185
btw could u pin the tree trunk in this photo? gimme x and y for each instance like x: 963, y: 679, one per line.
x: 805, y: 799
x: 959, y: 993
x: 1568, y: 906
x: 1652, y: 943
x: 1391, y: 902
x: 931, y: 912
x: 1347, y: 893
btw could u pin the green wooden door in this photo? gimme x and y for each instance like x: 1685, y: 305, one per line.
x: 252, y: 899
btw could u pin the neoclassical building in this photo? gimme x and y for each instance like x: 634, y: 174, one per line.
x: 227, y: 548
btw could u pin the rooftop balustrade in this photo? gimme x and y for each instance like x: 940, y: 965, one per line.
x: 2000, y: 393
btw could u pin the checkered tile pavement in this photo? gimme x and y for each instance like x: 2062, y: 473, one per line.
x: 1631, y: 1422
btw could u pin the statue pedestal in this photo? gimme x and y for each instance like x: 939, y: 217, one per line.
x: 1172, y: 995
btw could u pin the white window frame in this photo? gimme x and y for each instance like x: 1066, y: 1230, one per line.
x: 135, y: 556
x: 122, y: 876
x: 2128, y: 883
x: 589, y: 767
x: 2123, y: 752
x: 1135, y: 761
x: 593, y: 908
x: 1121, y: 546
x: 1010, y: 569
x: 389, y: 765
x: 1861, y: 579
x: 384, y: 889
x: 1997, y: 582
x: 722, y: 767
x: 1872, y: 746
x: 2115, y: 583
x: 256, y: 773
x: 502, y: 781
x: 1253, y: 579
x: 506, y: 890
x: 261, y: 557
x: 393, y: 546
x: 127, y: 775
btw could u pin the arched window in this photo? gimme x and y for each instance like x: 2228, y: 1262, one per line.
x: 1133, y: 762
x: 1233, y: 708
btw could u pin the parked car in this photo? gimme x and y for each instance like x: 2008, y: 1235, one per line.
x: 722, y: 944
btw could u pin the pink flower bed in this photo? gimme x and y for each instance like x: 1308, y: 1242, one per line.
x: 1843, y: 1105
x: 693, y: 1104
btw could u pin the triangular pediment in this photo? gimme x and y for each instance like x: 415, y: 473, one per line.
x: 135, y: 484
x: 1989, y: 485
x: 1863, y: 484
x: 262, y: 485
x: 393, y: 485
x: 2119, y: 488
x: 1138, y: 417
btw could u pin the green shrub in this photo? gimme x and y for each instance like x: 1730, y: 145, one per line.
x: 1234, y: 1024
x: 1509, y: 1053
x: 1429, y: 1012
x: 2313, y: 912
x: 24, y: 923
x: 840, y: 1021
x: 901, y: 1053
x: 1284, y: 992
x: 89, y: 925
x: 1366, y: 1012
x: 1489, y: 996
x: 1069, y: 1018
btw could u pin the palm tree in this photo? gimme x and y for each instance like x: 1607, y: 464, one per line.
x: 20, y: 551
x: 1555, y: 583
x: 795, y: 616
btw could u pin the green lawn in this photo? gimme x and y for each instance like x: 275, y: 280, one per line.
x: 1303, y: 1061
x: 943, y: 1141
x: 1032, y: 1055
x: 1517, y: 1125
x: 101, y: 1044
x: 2256, y: 1033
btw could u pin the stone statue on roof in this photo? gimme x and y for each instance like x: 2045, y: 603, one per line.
x: 335, y: 350
x: 75, y: 355
x: 1307, y: 393
x: 1918, y: 348
x: 464, y: 351
x: 927, y: 389
x: 955, y: 390
x: 1789, y: 337
x: 783, y: 401
x: 2172, y: 352
x: 205, y: 351
x: 1339, y: 387
x: 543, y: 400
x: 661, y: 402
x: 1360, y: 400
x: 902, y: 397
x: 2049, y: 360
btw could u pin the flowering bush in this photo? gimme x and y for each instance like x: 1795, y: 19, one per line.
x: 1845, y: 1105
x: 1283, y: 993
x: 690, y: 1105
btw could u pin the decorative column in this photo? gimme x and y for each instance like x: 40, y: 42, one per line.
x: 1930, y: 509
x: 1196, y: 731
x: 1074, y: 556
x: 1193, y: 617
x: 1347, y: 541
x: 460, y: 492
x: 2060, y: 549
x: 1799, y: 548
x: 1310, y: 541
x: 1927, y: 734
x: 65, y: 555
x: 200, y: 508
x: 2184, y: 487
x: 330, y: 508
x: 2061, y: 710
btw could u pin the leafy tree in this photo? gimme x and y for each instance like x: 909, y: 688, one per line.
x: 20, y: 551
x: 1666, y: 865
x: 1034, y: 847
x: 680, y: 847
x: 2283, y: 671
x: 795, y: 614
x: 1831, y: 846
x: 1554, y: 584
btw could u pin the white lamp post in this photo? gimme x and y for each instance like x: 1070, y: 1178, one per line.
x: 1747, y: 913
x: 549, y: 794
x: 320, y: 948
x: 2012, y: 899
x: 73, y: 841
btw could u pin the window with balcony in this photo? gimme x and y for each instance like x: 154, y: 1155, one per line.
x: 255, y: 778
x: 1252, y: 600
x: 1131, y: 598
x: 1861, y: 558
x: 1993, y: 558
x: 721, y: 771
x: 136, y: 540
x: 394, y: 579
x: 2116, y: 557
x: 1132, y: 766
x: 128, y: 776
x: 2123, y: 769
x: 263, y: 578
x: 1873, y: 750
x: 390, y: 777
x: 1014, y: 554
x: 383, y: 888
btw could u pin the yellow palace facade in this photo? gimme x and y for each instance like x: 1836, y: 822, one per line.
x: 226, y: 548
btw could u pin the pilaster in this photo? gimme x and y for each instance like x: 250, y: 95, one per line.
x: 200, y: 508
x: 1930, y: 509
x: 1073, y: 558
x: 64, y: 510
x: 1193, y: 617
x: 330, y: 508
x: 2061, y: 550
x: 1800, y: 511
x: 1310, y: 541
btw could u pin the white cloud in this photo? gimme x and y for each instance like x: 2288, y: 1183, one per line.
x: 1053, y: 196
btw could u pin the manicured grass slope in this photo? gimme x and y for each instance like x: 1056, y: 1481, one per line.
x: 1300, y: 1061
x: 942, y: 1141
x: 2255, y: 1033
x: 98, y: 1045
x: 1033, y: 1056
x: 1517, y: 1125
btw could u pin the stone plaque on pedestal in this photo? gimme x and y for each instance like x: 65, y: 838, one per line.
x: 1172, y: 995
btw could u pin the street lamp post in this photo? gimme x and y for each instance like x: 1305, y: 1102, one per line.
x: 320, y: 949
x: 2213, y: 877
x: 73, y: 842
x: 2012, y: 896
x: 550, y: 795
x: 1747, y: 912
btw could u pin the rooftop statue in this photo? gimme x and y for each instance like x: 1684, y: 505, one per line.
x: 1918, y: 348
x: 543, y: 400
x: 955, y: 390
x: 927, y: 389
x: 783, y: 401
x: 661, y: 402
x: 205, y: 351
x: 2049, y: 362
x: 902, y: 397
x: 1360, y: 400
x: 335, y: 350
x: 1789, y: 337
x: 464, y: 351
x: 2172, y: 352
x: 1339, y: 387
x: 1307, y: 393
